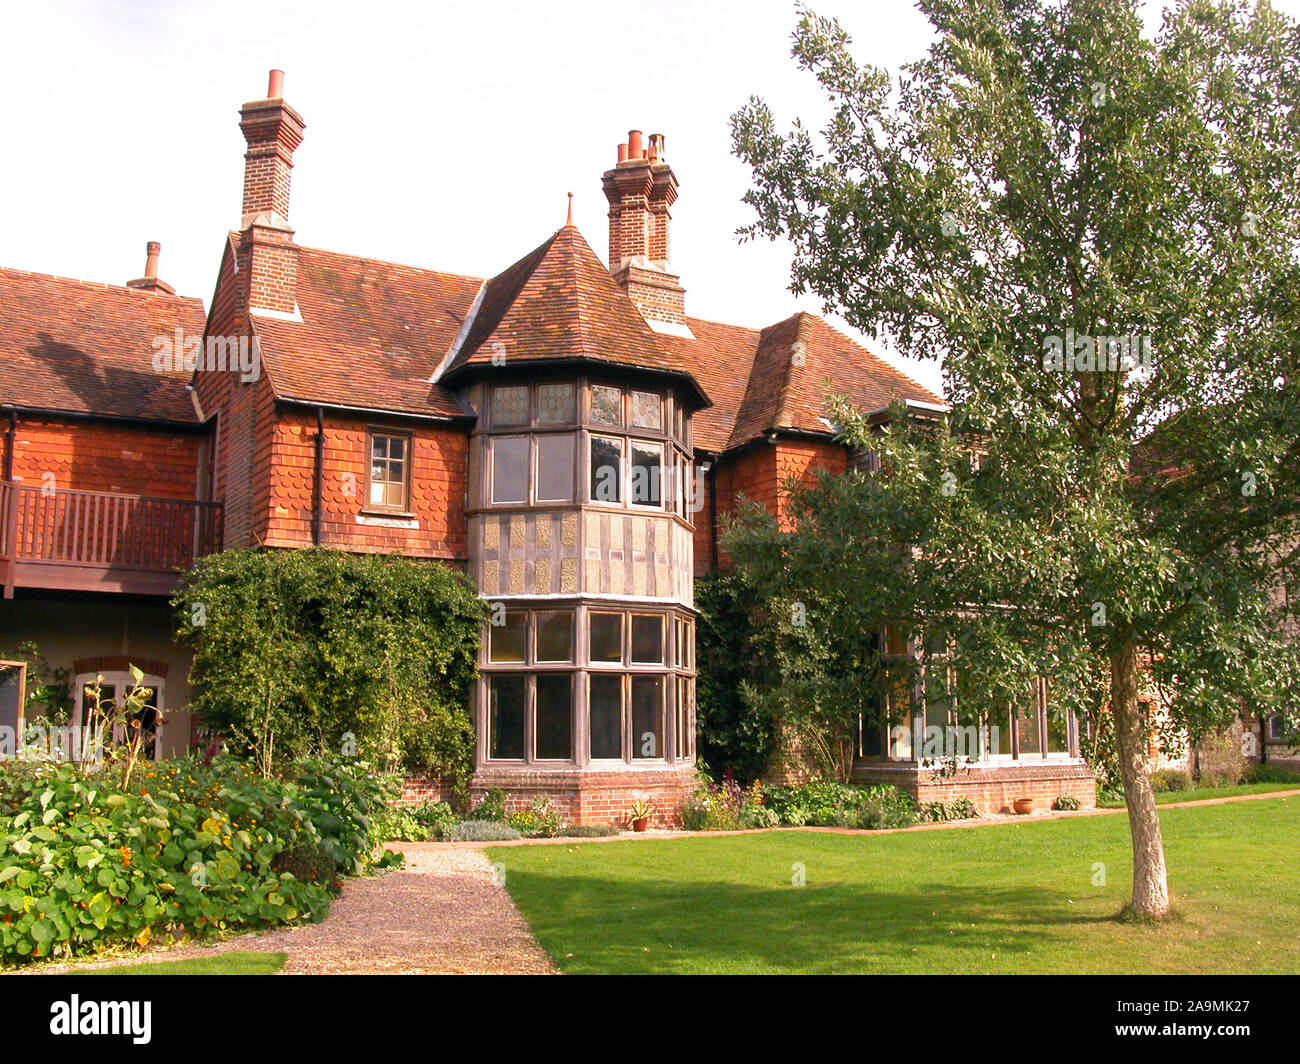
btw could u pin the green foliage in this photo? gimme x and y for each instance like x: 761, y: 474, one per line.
x: 308, y: 863
x: 1065, y: 803
x: 301, y: 653
x: 1272, y: 774
x: 733, y: 735
x: 413, y: 823
x: 481, y: 831
x: 1170, y: 779
x: 829, y: 803
x: 539, y: 821
x: 725, y: 806
x: 1011, y: 192
x: 87, y: 862
x: 587, y: 831
x: 943, y: 812
x: 492, y: 807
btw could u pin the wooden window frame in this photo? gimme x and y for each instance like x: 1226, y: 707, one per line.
x: 372, y: 433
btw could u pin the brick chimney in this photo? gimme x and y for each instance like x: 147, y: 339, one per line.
x: 268, y: 258
x: 150, y: 282
x: 641, y: 188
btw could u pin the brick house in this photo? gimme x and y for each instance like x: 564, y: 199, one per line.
x: 564, y: 430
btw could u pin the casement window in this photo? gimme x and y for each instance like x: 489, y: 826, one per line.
x: 605, y: 638
x: 647, y: 474
x: 647, y: 639
x: 554, y: 636
x: 633, y: 670
x: 627, y: 707
x: 530, y: 714
x: 553, y: 716
x: 1028, y: 727
x: 648, y: 717
x: 389, y: 474
x: 555, y: 468
x: 507, y: 702
x: 685, y: 703
x: 606, y: 470
x: 508, y: 641
x: 509, y: 469
x: 1276, y: 730
x: 605, y: 713
x: 530, y: 710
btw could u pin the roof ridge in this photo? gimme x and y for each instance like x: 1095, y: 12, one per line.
x: 390, y: 262
x: 134, y: 292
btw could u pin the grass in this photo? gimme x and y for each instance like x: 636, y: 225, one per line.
x: 237, y: 962
x: 1014, y: 897
x: 1196, y: 794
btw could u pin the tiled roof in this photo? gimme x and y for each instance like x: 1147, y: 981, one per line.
x: 88, y: 348
x: 760, y: 380
x: 559, y: 302
x: 372, y: 334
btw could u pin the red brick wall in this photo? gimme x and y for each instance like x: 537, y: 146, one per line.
x: 439, y: 476
x: 244, y: 413
x: 580, y: 797
x: 992, y: 789
x: 760, y: 474
x: 101, y: 456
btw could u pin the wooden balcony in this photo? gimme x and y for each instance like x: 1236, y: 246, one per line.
x: 100, y: 541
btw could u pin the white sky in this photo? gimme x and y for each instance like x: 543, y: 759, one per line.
x: 439, y: 134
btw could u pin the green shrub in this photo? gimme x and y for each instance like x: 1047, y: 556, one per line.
x: 961, y: 808
x: 480, y: 831
x: 587, y: 831
x: 413, y: 823
x: 286, y: 665
x: 1065, y: 803
x: 87, y: 863
x: 492, y: 807
x: 1170, y: 779
x: 306, y: 862
x: 1271, y: 774
x: 759, y: 817
x: 722, y: 806
x: 540, y: 820
x: 827, y: 803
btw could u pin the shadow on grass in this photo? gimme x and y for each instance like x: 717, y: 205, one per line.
x: 592, y: 924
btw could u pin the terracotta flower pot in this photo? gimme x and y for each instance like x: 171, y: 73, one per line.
x: 642, y: 824
x: 1023, y: 806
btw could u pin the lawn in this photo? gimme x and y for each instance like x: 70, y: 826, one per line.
x: 1196, y: 794
x: 237, y: 962
x: 1015, y: 897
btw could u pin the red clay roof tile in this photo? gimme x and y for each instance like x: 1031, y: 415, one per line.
x: 88, y: 348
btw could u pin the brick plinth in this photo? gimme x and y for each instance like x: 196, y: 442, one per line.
x: 581, y: 796
x: 992, y: 788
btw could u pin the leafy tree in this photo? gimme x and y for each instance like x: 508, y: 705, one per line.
x: 1047, y: 175
x: 302, y: 653
x: 733, y: 733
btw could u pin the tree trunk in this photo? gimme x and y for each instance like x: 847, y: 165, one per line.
x: 1150, y: 881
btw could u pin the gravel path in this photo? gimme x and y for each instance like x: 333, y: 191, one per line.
x: 441, y: 914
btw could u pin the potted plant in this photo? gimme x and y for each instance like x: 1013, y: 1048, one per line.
x: 640, y: 815
x: 1023, y: 806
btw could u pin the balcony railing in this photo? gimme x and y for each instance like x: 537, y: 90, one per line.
x: 100, y: 541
